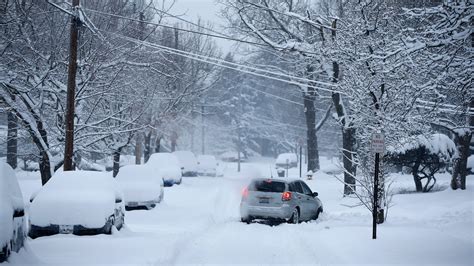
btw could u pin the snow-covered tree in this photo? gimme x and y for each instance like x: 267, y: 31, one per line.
x: 295, y: 31
x: 425, y: 156
x: 443, y: 47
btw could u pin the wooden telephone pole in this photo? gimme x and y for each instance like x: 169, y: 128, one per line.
x: 71, y: 89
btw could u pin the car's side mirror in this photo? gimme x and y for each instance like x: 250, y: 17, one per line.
x: 315, y: 194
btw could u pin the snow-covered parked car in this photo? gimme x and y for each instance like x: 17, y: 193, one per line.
x: 12, y: 213
x: 207, y: 165
x: 166, y: 165
x: 188, y: 163
x: 232, y: 156
x: 141, y: 187
x: 77, y: 202
x: 286, y: 160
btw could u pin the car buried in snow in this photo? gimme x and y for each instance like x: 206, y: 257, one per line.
x: 142, y: 188
x: 12, y: 213
x: 288, y: 200
x: 77, y: 202
x: 166, y: 166
x: 187, y: 162
x: 207, y: 165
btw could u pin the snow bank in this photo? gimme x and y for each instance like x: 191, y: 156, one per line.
x: 285, y: 158
x: 139, y: 183
x: 330, y: 166
x: 84, y: 198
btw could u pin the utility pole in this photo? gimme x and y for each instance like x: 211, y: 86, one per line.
x: 71, y: 89
x: 202, y: 130
x: 193, y: 128
x: 239, y: 147
x: 301, y: 155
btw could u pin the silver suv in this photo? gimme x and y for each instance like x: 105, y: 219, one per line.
x: 279, y: 199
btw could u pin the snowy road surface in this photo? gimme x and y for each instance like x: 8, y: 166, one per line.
x: 198, y: 223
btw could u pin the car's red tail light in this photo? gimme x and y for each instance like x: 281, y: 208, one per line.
x: 245, y: 192
x: 286, y: 196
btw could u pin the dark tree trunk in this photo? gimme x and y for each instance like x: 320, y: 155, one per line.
x: 348, y: 133
x: 40, y: 140
x: 116, y: 165
x: 460, y: 164
x: 12, y: 140
x: 174, y: 141
x: 45, y: 168
x: 138, y: 149
x: 311, y: 137
x: 416, y: 177
x: 348, y: 144
x: 147, y: 146
x: 157, y: 144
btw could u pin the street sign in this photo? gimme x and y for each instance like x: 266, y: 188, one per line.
x: 378, y: 143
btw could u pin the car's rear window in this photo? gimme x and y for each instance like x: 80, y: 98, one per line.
x: 267, y: 186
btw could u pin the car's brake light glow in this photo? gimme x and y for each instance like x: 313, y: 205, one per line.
x: 245, y: 192
x: 286, y: 196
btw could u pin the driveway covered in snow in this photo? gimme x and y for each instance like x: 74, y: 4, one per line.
x: 199, y: 223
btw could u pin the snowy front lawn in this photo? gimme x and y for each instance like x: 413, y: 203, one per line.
x: 198, y: 223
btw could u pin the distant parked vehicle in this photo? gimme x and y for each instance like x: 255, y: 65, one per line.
x: 141, y: 187
x: 167, y: 166
x: 12, y: 213
x: 286, y: 160
x: 232, y: 156
x: 188, y: 163
x: 77, y: 202
x: 288, y: 200
x: 207, y: 165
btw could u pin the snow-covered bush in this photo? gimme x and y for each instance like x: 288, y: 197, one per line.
x: 424, y: 156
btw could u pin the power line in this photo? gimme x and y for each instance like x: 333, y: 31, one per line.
x: 225, y: 64
x: 211, y: 35
x: 220, y: 36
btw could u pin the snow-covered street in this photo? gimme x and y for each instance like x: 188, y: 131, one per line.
x: 199, y: 223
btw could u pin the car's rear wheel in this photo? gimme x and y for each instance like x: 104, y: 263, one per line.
x: 295, y: 217
x: 5, y: 253
x: 246, y: 220
x: 318, y: 212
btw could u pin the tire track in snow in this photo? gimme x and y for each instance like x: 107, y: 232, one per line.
x: 215, y: 222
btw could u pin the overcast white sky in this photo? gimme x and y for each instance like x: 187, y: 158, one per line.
x: 206, y: 10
